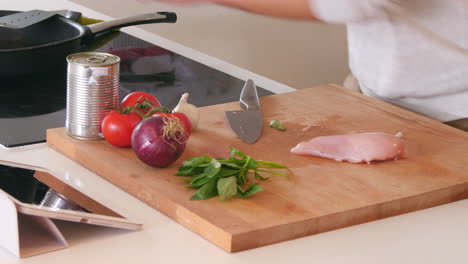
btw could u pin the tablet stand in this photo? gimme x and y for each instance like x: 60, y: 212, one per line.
x: 27, y: 235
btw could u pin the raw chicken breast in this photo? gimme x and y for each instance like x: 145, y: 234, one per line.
x: 355, y: 148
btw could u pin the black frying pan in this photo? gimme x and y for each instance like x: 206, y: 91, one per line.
x: 45, y: 45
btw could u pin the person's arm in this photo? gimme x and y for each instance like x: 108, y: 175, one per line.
x: 334, y: 11
x: 295, y: 9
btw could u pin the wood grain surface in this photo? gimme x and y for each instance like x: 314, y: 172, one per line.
x: 320, y: 195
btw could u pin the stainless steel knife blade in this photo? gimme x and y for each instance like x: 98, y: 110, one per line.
x: 247, y: 123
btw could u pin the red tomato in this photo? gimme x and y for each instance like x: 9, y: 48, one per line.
x: 117, y: 127
x: 182, y: 118
x: 140, y: 100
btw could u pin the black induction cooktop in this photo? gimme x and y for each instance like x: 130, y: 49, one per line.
x: 31, y: 104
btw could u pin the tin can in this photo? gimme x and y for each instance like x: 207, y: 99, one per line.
x: 92, y: 91
x: 57, y: 202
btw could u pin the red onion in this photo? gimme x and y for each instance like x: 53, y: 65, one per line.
x: 159, y: 141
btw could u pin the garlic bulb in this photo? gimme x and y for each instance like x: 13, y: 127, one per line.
x: 190, y: 110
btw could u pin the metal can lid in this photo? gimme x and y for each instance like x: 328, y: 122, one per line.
x: 93, y: 59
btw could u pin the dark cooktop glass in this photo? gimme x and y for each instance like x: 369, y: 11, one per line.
x: 29, y: 105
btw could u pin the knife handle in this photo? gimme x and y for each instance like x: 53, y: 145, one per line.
x: 249, y: 96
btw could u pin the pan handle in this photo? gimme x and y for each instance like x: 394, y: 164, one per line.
x: 159, y: 17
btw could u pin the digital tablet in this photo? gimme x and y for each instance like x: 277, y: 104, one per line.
x: 33, y: 197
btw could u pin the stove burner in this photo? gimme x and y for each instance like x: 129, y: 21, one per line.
x: 33, y: 95
x: 29, y: 105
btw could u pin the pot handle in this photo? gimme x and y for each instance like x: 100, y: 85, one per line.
x: 158, y: 17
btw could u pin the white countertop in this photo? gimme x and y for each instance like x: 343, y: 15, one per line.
x: 436, y: 235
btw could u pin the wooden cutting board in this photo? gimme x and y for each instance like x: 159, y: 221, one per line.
x: 320, y: 195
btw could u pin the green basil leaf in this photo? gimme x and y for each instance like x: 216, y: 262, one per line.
x: 199, y: 183
x: 189, y: 171
x: 193, y: 177
x: 198, y: 176
x: 254, y: 188
x: 226, y: 172
x: 196, y: 161
x: 212, y: 169
x: 227, y: 187
x: 232, y: 164
x: 202, y: 179
x: 207, y: 191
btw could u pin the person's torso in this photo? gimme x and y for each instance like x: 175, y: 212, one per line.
x: 395, y: 62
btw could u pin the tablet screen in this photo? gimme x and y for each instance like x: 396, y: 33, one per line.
x: 39, y: 198
x: 22, y: 185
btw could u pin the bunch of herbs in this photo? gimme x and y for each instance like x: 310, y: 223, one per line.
x: 226, y: 178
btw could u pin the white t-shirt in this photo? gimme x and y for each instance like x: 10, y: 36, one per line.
x: 395, y: 62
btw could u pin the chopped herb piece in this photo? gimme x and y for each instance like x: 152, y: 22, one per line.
x: 276, y: 124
